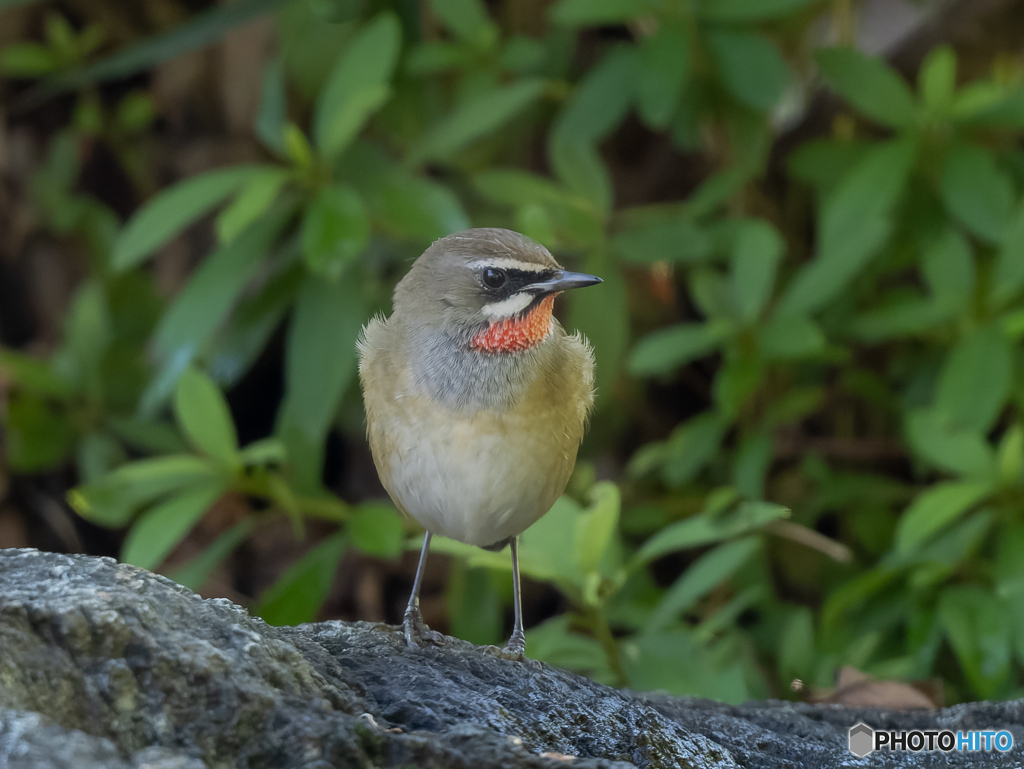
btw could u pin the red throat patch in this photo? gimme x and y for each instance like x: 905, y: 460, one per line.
x: 517, y: 334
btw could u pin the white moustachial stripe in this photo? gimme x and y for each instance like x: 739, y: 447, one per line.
x: 506, y: 308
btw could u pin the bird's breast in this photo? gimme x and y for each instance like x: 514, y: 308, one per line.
x: 478, y: 475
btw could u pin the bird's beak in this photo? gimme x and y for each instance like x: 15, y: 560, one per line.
x: 563, y: 281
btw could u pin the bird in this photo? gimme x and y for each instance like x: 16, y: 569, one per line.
x: 476, y: 398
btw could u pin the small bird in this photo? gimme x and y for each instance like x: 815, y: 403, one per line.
x: 476, y: 398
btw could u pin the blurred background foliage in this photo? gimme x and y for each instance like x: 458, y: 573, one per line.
x: 808, y: 448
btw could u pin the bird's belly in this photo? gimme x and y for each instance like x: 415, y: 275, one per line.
x: 478, y: 479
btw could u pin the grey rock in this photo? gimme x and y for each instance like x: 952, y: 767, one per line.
x: 105, y: 665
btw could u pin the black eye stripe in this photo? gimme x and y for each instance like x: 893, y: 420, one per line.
x: 517, y: 279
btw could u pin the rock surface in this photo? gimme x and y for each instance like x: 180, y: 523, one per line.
x: 105, y: 665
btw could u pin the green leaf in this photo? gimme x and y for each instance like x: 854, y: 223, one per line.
x: 691, y: 446
x: 98, y: 453
x: 196, y: 313
x: 151, y: 437
x: 468, y: 20
x: 420, y: 209
x: 320, y: 364
x: 948, y: 266
x: 596, y: 527
x: 711, y: 293
x: 273, y: 114
x: 750, y: 467
x: 376, y: 529
x: 28, y: 60
x: 736, y: 381
x: 755, y: 257
x: 251, y: 326
x: 475, y: 613
x: 1011, y: 455
x: 854, y: 222
x: 703, y: 576
x: 299, y: 593
x: 975, y: 380
x: 159, y: 530
x: 266, y: 451
x: 1009, y: 564
x: 676, y: 240
x: 902, y: 318
x: 542, y: 548
x: 203, y: 414
x: 1009, y: 267
x: 358, y: 85
x: 88, y: 334
x: 321, y: 352
x: 979, y: 630
x: 33, y: 374
x: 706, y: 528
x: 580, y: 167
x: 598, y: 105
x: 202, y: 30
x: 401, y: 204
x: 977, y: 192
x: 824, y: 163
x: 797, y: 403
x: 601, y: 100
x: 936, y: 507
x: 513, y: 187
x: 662, y: 68
x: 174, y: 209
x: 749, y: 10
x: 336, y: 11
x: 665, y: 350
x: 602, y: 315
x: 936, y: 80
x: 476, y: 118
x: 869, y: 85
x: 789, y: 337
x: 38, y: 437
x: 196, y: 572
x: 751, y: 67
x: 652, y: 663
x: 334, y: 231
x: 960, y: 450
x: 796, y: 645
x: 252, y: 202
x: 435, y: 56
x: 716, y: 190
x: 522, y: 54
x: 988, y: 104
x: 535, y: 222
x: 595, y: 13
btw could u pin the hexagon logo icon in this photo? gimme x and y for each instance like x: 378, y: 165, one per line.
x: 862, y: 739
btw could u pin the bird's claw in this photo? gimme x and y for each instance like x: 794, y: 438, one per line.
x: 417, y: 632
x: 515, y: 651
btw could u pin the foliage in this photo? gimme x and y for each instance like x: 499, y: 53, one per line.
x: 895, y: 322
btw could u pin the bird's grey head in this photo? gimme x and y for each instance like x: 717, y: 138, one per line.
x: 475, y: 278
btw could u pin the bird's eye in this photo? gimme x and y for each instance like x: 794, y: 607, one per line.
x: 494, y: 278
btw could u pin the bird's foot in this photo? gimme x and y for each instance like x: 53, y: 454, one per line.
x: 515, y: 651
x: 516, y: 648
x: 417, y: 632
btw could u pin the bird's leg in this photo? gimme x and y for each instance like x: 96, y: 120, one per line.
x: 415, y: 628
x: 517, y: 643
